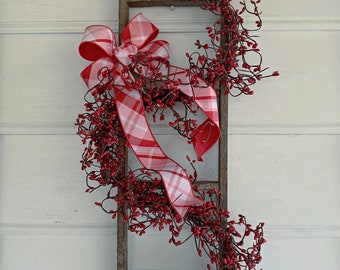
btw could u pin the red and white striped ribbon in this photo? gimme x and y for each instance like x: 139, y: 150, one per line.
x: 99, y: 46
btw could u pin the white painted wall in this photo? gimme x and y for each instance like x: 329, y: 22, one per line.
x: 284, y: 140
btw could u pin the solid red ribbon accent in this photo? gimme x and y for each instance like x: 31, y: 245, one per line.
x: 99, y: 45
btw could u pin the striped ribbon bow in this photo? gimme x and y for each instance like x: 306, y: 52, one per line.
x: 99, y: 46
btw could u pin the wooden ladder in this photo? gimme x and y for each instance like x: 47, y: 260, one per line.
x: 222, y: 183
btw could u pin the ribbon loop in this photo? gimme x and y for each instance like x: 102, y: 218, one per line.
x: 139, y: 31
x: 99, y: 45
x: 98, y: 41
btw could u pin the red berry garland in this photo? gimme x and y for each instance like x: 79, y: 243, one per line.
x: 141, y: 191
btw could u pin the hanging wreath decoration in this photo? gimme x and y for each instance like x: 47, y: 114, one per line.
x: 127, y: 82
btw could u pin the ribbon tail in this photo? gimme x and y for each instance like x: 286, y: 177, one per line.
x: 131, y: 113
x: 204, y: 137
x: 207, y: 133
